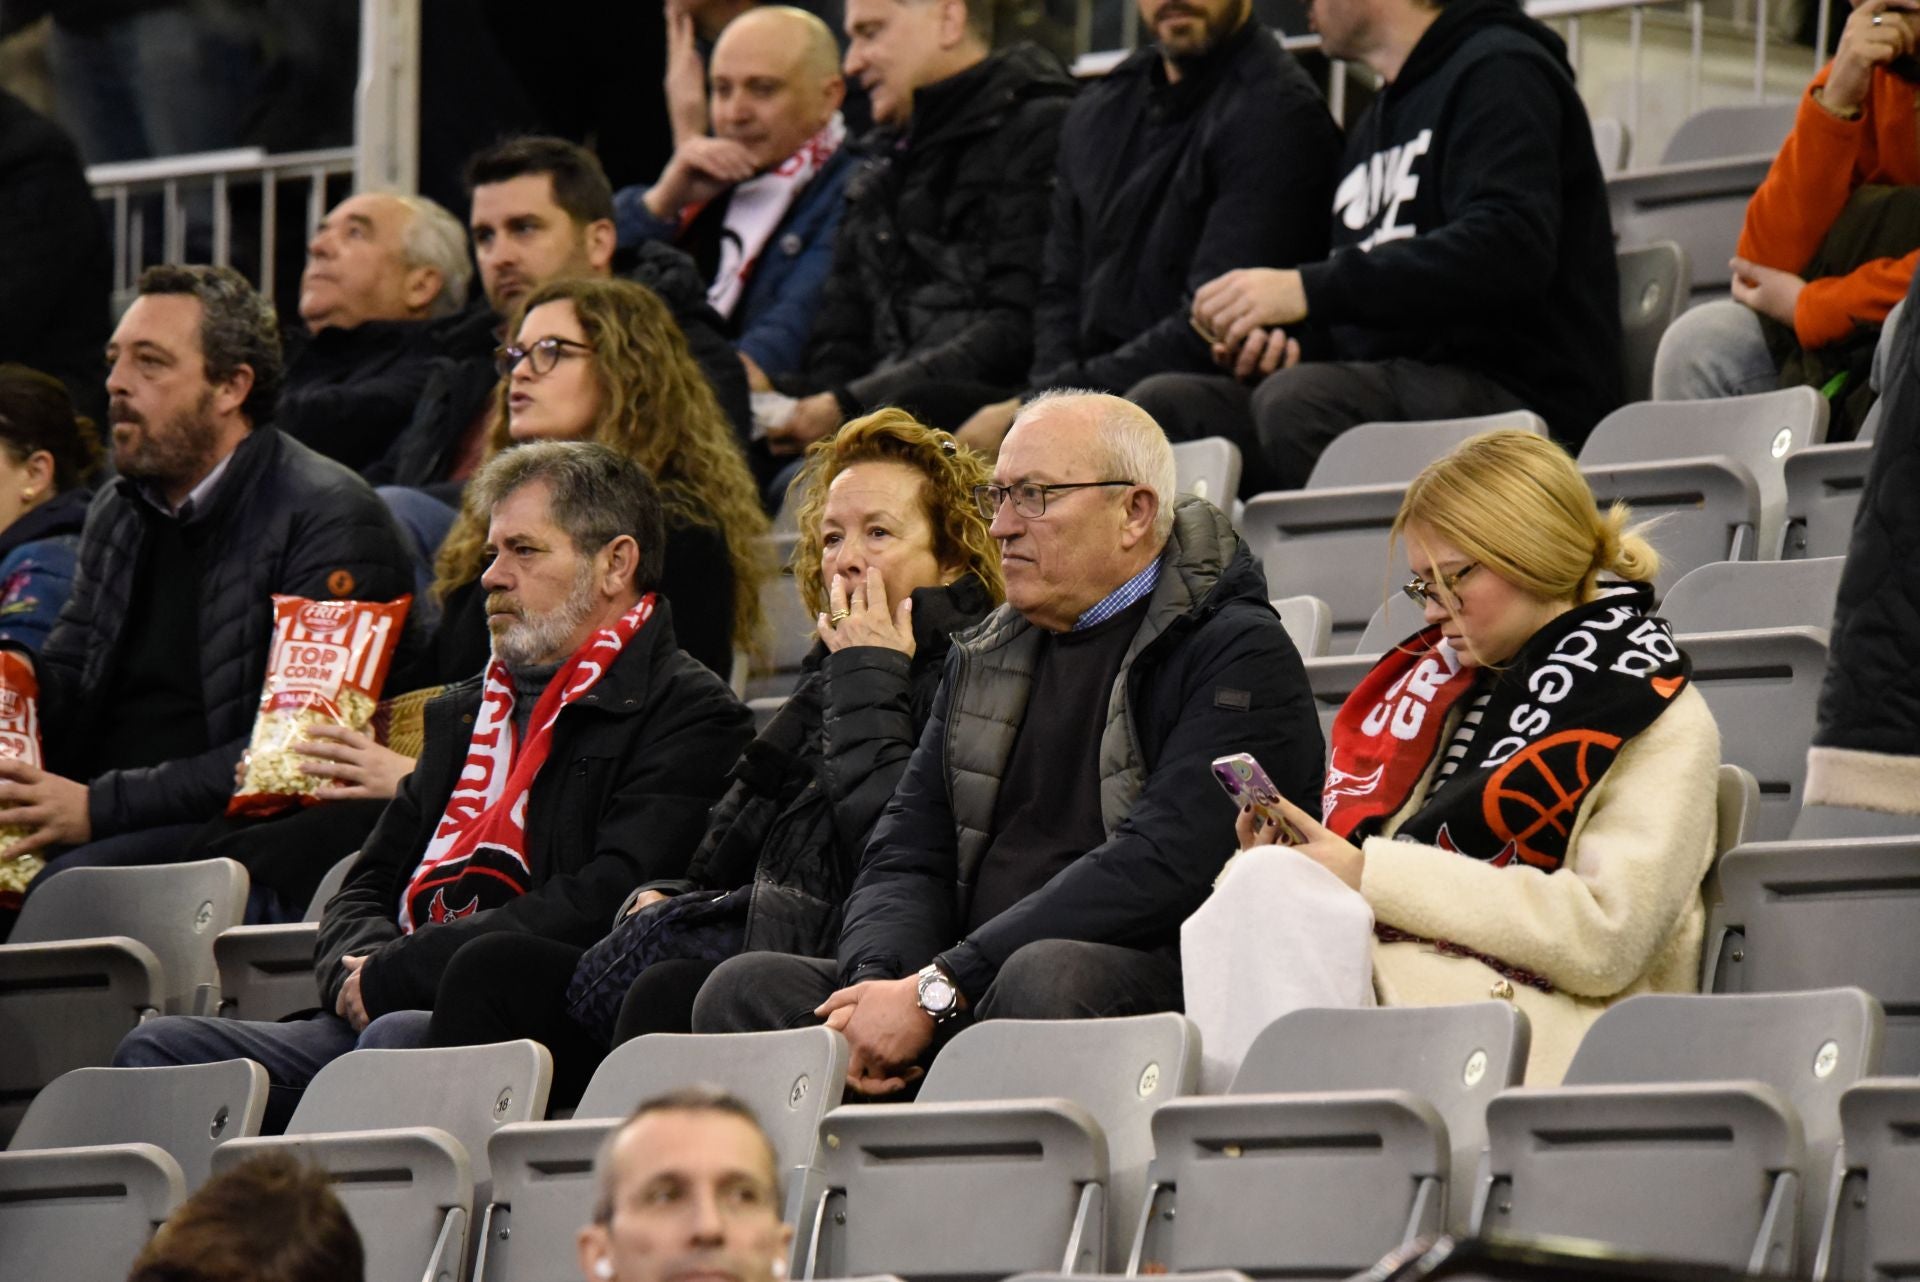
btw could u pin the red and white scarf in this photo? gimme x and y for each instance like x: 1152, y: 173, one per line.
x: 477, y: 858
x: 756, y: 209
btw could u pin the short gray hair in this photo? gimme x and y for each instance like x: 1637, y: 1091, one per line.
x: 594, y: 494
x: 434, y: 238
x: 686, y: 1099
x: 1132, y: 444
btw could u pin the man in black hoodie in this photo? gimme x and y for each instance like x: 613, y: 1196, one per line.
x: 1472, y: 268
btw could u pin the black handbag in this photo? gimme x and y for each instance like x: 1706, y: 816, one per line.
x: 701, y: 925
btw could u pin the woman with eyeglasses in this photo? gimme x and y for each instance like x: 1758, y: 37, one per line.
x: 1519, y: 800
x: 893, y: 558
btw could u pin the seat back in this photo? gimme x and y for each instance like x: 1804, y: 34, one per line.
x: 1397, y: 619
x: 1713, y: 133
x: 174, y: 909
x: 1389, y: 453
x: 1309, y: 623
x: 1654, y: 286
x: 82, y: 1213
x: 1698, y: 205
x: 1738, y: 596
x: 1871, y: 1231
x: 1815, y: 823
x: 186, y: 1111
x: 1824, y: 484
x: 1764, y: 689
x: 1799, y: 915
x: 1610, y: 144
x: 1209, y: 469
x: 329, y: 887
x: 790, y: 635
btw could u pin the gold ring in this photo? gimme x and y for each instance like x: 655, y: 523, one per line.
x: 838, y: 615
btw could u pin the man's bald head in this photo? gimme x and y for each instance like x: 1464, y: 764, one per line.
x: 775, y: 77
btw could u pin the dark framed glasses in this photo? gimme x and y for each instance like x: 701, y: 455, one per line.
x: 541, y: 356
x: 1440, y: 591
x: 1029, y: 497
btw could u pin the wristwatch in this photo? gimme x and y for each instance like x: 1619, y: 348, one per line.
x: 938, y: 996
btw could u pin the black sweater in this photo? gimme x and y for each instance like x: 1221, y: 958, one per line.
x: 351, y: 392
x: 1471, y: 225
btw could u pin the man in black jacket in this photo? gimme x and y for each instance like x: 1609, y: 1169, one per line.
x: 150, y: 680
x: 1057, y: 821
x: 579, y: 765
x: 1472, y: 268
x: 930, y: 302
x: 1207, y: 151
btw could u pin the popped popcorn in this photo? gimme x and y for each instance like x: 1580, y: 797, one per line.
x: 20, y: 740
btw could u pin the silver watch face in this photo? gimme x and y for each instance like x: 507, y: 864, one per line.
x: 937, y: 994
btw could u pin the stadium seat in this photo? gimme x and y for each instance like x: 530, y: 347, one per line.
x: 1805, y: 914
x: 1824, y: 484
x: 1209, y: 469
x: 1711, y: 472
x: 1308, y: 622
x: 1338, y: 1141
x: 104, y: 1154
x: 1817, y: 822
x: 1691, y: 1127
x: 1332, y: 677
x: 1330, y: 539
x: 98, y: 950
x: 1746, y: 129
x: 1040, y: 1127
x: 403, y: 1135
x: 1763, y: 687
x: 543, y: 1171
x: 1653, y: 292
x: 1611, y: 144
x: 1871, y: 1232
x: 1740, y: 596
x: 789, y: 632
x: 266, y: 972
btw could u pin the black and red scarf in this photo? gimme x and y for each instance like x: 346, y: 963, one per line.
x: 1554, y: 721
x: 477, y: 858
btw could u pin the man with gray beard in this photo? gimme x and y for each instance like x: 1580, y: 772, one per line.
x: 150, y: 680
x: 579, y: 765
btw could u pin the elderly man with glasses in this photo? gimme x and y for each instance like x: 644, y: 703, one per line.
x: 1057, y: 821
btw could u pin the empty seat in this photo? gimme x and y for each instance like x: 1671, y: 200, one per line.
x: 1712, y: 472
x: 97, y: 950
x: 1695, y: 1127
x: 1871, y: 1232
x: 1735, y: 596
x: 1800, y: 915
x: 1610, y: 144
x: 1330, y: 539
x: 1654, y: 286
x: 1340, y: 1139
x: 266, y: 972
x: 1332, y: 677
x: 1208, y: 468
x: 104, y: 1154
x: 543, y: 1171
x: 1814, y: 822
x: 403, y: 1135
x: 1745, y: 129
x: 790, y: 634
x: 1824, y: 484
x: 1764, y: 688
x: 1308, y: 622
x: 1041, y: 1128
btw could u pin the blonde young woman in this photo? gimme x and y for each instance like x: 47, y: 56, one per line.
x: 1519, y: 801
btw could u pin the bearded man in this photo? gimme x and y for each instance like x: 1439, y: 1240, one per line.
x: 580, y: 765
x: 149, y: 682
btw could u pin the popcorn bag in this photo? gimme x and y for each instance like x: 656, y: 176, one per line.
x: 20, y: 740
x: 329, y: 660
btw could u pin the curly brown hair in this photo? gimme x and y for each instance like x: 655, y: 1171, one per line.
x: 949, y: 472
x: 657, y: 409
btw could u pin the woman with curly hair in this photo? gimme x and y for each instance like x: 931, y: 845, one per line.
x: 602, y: 360
x: 893, y: 558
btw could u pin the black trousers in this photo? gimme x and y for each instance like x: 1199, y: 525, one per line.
x: 1283, y: 424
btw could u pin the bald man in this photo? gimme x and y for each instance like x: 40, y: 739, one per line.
x: 758, y: 204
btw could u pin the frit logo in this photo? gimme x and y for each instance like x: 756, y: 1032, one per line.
x: 1373, y: 193
x: 10, y: 708
x: 325, y: 616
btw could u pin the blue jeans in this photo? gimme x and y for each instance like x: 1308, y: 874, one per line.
x: 292, y: 1052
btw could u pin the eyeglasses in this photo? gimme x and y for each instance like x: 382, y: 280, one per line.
x: 1440, y: 591
x: 1029, y: 497
x: 543, y: 355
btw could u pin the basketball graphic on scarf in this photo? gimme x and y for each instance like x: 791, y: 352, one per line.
x: 1539, y: 788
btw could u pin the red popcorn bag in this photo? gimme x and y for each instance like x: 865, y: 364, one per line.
x: 19, y: 740
x: 329, y: 660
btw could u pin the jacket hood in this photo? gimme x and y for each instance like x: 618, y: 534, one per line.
x: 668, y: 272
x: 1461, y: 19
x: 65, y: 513
x: 977, y: 98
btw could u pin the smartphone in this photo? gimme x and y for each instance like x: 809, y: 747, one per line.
x: 1244, y: 781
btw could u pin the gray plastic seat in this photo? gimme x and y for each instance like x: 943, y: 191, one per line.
x: 1654, y: 286
x: 1339, y: 1140
x: 1798, y: 915
x: 543, y: 1171
x: 1611, y: 143
x: 98, y: 950
x: 403, y: 1135
x: 790, y: 635
x: 1040, y: 1128
x: 1764, y: 688
x: 1308, y: 621
x: 1208, y: 468
x: 1694, y: 1127
x: 266, y: 972
x: 1330, y: 539
x: 103, y: 1156
x: 1736, y: 596
x: 1871, y: 1232
x: 1332, y: 677
x: 1711, y: 472
x: 1821, y: 822
x: 1745, y: 129
x: 1698, y: 205
x: 1824, y: 484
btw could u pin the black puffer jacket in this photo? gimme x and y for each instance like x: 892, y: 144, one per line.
x: 281, y: 519
x: 938, y: 262
x: 1866, y: 752
x: 806, y: 793
x: 351, y: 392
x: 634, y: 765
